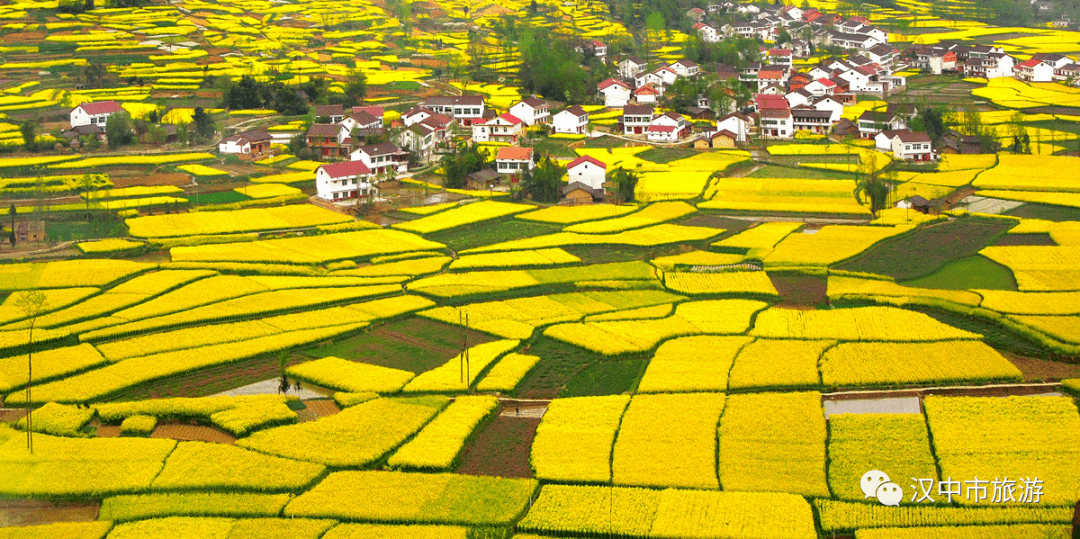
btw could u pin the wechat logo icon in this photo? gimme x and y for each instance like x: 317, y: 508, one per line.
x: 876, y: 484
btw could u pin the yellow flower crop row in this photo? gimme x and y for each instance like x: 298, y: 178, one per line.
x: 785, y: 195
x: 67, y: 273
x: 267, y: 190
x: 856, y: 324
x: 357, y: 436
x: 17, y: 339
x: 449, y: 377
x: 1065, y: 328
x: 462, y: 215
x: 1014, y: 437
x: 762, y: 236
x: 192, y: 504
x: 59, y: 420
x: 566, y: 215
x: 309, y: 249
x: 48, y: 365
x: 649, y: 216
x: 717, y: 317
x: 94, y: 385
x: 400, y: 497
x: 59, y: 530
x: 965, y: 532
x: 353, y: 376
x: 247, y: 306
x: 210, y: 466
x: 507, y: 373
x: 897, y: 444
x: 138, y: 425
x: 223, y: 222
x: 1045, y: 303
x: 1056, y: 198
x: 428, y: 210
x: 829, y: 245
x: 237, y: 415
x: 575, y: 439
x: 10, y: 162
x: 696, y: 259
x: 1022, y: 173
x: 486, y: 282
x: 437, y: 446
x: 412, y: 267
x: 159, y: 159
x: 950, y: 163
x: 877, y: 363
x: 203, y: 171
x: 722, y: 283
x: 517, y: 259
x: 637, y: 512
x: 517, y: 318
x: 387, y: 531
x: 778, y: 363
x: 845, y: 516
x: 855, y: 288
x: 699, y: 363
x: 774, y: 442
x: 113, y: 245
x: 643, y: 237
x: 217, y: 528
x: 55, y: 299
x: 73, y: 467
x: 667, y: 440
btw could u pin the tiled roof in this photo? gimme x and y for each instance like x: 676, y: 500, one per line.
x: 586, y: 159
x: 101, y: 107
x: 514, y: 154
x: 347, y: 169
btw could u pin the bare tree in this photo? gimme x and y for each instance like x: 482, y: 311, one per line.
x: 32, y: 303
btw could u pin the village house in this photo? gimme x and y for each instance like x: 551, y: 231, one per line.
x: 341, y: 181
x: 685, y: 68
x: 1035, y: 70
x: 776, y: 123
x: 328, y: 140
x: 425, y: 135
x: 883, y: 140
x: 364, y: 119
x: 532, y: 110
x: 873, y: 122
x: 250, y: 142
x: 334, y: 113
x: 382, y: 158
x: 636, y: 119
x: 503, y: 128
x: 465, y: 109
x: 96, y: 113
x: 994, y: 65
x: 415, y: 115
x: 668, y: 127
x: 707, y: 33
x: 812, y: 120
x: 908, y: 146
x: 736, y: 123
x: 588, y: 171
x: 631, y: 66
x: 572, y: 121
x: 780, y: 57
x: 616, y: 93
x: 646, y: 94
x: 514, y: 160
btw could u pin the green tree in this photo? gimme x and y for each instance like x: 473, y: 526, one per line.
x: 94, y: 75
x: 783, y: 37
x: 11, y: 212
x: 118, y: 130
x: 544, y: 182
x: 625, y: 182
x: 204, y: 123
x: 355, y: 88
x: 653, y: 23
x: 32, y: 303
x: 288, y: 102
x: 458, y: 166
x: 28, y: 129
x: 86, y: 187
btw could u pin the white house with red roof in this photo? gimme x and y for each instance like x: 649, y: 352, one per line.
x: 341, y: 181
x: 616, y: 93
x: 96, y: 113
x: 667, y: 127
x: 572, y: 121
x: 381, y: 158
x: 503, y: 128
x: 821, y: 87
x: 532, y: 110
x: 647, y: 94
x: 514, y: 160
x: 1035, y: 70
x: 707, y: 33
x: 910, y: 146
x: 636, y: 119
x: 685, y: 68
x: 587, y: 170
x: 780, y: 57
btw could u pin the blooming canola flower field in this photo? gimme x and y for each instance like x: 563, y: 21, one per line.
x: 723, y: 357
